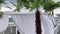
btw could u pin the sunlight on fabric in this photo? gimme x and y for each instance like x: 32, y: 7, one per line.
x: 4, y: 23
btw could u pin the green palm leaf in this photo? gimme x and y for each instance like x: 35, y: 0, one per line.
x: 50, y: 5
x: 13, y: 3
x: 8, y: 7
x: 2, y: 1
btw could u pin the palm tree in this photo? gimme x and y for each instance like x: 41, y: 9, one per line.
x: 1, y: 1
x: 50, y: 6
x: 34, y: 4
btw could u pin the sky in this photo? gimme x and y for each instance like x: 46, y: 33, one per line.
x: 56, y: 11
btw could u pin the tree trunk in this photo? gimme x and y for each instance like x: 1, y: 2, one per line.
x: 38, y: 23
x: 52, y: 13
x: 1, y: 14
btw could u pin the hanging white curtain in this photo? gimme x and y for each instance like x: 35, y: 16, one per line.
x: 52, y: 19
x: 48, y: 25
x: 4, y: 23
x: 26, y: 23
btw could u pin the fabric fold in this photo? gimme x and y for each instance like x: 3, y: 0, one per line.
x: 4, y: 23
x: 48, y: 25
x: 25, y: 22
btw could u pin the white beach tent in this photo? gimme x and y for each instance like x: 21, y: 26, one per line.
x: 25, y: 23
x: 47, y: 23
x: 4, y: 22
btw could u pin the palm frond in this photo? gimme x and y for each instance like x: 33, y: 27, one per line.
x: 50, y: 6
x: 35, y: 4
x: 8, y: 7
x: 5, y: 3
x: 2, y: 1
x: 13, y: 3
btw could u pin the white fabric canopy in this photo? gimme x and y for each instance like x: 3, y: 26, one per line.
x: 26, y: 23
x: 4, y: 23
x: 48, y: 25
